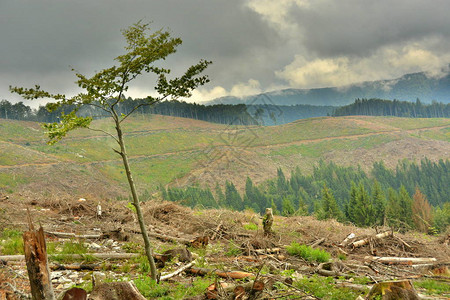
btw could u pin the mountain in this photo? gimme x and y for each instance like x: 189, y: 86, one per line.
x: 409, y: 87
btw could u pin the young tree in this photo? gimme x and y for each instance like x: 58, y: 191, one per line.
x: 105, y: 90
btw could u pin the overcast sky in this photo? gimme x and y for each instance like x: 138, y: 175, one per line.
x: 255, y: 45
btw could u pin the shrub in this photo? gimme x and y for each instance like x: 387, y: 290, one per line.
x: 308, y: 253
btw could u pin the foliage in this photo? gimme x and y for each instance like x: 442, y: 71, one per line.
x: 324, y: 288
x: 308, y: 253
x: 421, y: 212
x: 106, y: 89
x: 233, y: 249
x: 251, y: 226
x: 379, y: 107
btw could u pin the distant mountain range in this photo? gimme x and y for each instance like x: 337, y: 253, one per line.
x: 409, y: 87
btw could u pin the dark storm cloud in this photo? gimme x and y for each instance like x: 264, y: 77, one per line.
x: 255, y: 44
x: 359, y: 27
x: 43, y: 38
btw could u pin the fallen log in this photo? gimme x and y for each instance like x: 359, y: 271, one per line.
x: 223, y: 274
x: 317, y: 243
x: 401, y: 260
x: 367, y: 240
x: 7, y: 258
x: 69, y: 235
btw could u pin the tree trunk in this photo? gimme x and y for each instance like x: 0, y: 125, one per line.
x: 37, y: 264
x: 267, y: 222
x: 147, y: 245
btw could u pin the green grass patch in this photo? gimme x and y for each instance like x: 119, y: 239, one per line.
x: 324, y: 288
x: 434, y: 287
x: 308, y: 253
x: 164, y: 290
x: 11, y: 242
x: 62, y: 252
x: 414, y: 123
x: 318, y: 149
x: 233, y: 249
x: 251, y: 226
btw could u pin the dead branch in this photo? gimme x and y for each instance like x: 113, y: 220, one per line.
x: 176, y: 272
x: 317, y: 243
x: 223, y: 274
x: 367, y: 240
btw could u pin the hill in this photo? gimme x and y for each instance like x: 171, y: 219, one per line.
x: 409, y: 87
x: 177, y: 151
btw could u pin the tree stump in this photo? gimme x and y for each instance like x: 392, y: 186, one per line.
x: 37, y: 263
x: 267, y: 222
x: 391, y: 290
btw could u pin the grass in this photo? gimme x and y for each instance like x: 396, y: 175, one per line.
x: 434, y: 287
x: 164, y: 290
x: 62, y: 252
x: 11, y: 242
x: 233, y: 249
x: 251, y: 226
x: 308, y: 253
x: 324, y: 288
x: 318, y: 149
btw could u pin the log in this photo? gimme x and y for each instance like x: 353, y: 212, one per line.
x: 366, y: 241
x: 37, y: 263
x: 401, y: 260
x: 69, y: 235
x: 7, y: 258
x: 223, y: 274
x: 317, y: 243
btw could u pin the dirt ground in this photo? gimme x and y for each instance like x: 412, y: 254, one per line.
x: 222, y: 227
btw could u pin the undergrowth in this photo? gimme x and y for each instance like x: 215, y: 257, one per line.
x: 168, y: 291
x: 11, y: 242
x: 324, y: 288
x: 308, y: 253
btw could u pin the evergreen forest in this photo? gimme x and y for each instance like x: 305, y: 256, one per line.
x: 413, y: 196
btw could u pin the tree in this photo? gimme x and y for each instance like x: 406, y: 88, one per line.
x: 422, y: 212
x: 329, y: 208
x: 106, y: 89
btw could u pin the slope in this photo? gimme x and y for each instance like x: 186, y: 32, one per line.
x: 176, y: 151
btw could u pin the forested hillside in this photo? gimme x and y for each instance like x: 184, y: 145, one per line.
x: 403, y: 198
x: 380, y: 107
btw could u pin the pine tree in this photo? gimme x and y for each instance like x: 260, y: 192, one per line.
x: 379, y: 203
x: 329, y: 208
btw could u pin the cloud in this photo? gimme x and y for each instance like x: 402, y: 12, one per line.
x: 386, y: 63
x: 255, y: 45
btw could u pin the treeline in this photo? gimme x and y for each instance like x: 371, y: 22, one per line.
x: 412, y: 196
x: 239, y: 114
x: 380, y: 107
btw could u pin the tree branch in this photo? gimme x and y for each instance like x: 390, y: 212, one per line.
x: 105, y: 132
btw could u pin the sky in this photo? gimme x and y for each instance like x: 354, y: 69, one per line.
x: 255, y: 45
